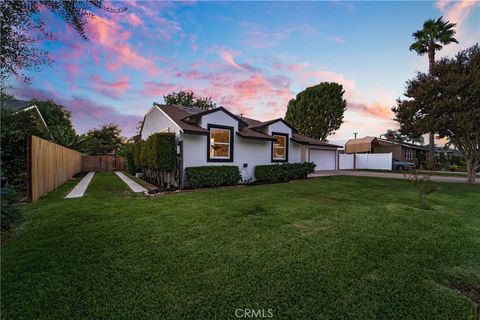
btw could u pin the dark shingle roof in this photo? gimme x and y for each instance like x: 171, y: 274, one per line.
x: 311, y: 141
x: 16, y: 104
x: 184, y: 117
x: 178, y: 113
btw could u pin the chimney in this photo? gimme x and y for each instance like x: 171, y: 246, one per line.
x: 391, y: 137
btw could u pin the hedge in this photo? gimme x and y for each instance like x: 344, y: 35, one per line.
x: 283, y: 172
x: 212, y: 176
x: 156, y: 157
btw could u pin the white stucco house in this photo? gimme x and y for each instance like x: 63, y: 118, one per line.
x: 218, y: 137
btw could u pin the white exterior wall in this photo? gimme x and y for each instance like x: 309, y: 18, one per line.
x: 157, y: 121
x: 294, y: 149
x: 379, y: 161
x: 253, y: 152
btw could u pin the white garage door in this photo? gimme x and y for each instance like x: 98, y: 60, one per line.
x: 324, y: 159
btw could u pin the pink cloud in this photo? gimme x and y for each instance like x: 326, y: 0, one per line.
x: 114, y: 40
x: 113, y: 89
x: 229, y: 57
x: 134, y: 20
x: 157, y: 89
x: 458, y: 12
x: 375, y: 109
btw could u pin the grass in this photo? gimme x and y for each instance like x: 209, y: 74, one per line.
x: 329, y: 248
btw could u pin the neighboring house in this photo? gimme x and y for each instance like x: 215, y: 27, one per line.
x: 218, y: 137
x: 26, y: 106
x: 401, y: 151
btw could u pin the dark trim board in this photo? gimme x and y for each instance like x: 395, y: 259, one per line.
x: 201, y: 114
x: 287, y: 146
x: 255, y: 138
x: 216, y: 126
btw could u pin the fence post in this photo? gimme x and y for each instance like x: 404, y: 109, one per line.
x: 29, y: 168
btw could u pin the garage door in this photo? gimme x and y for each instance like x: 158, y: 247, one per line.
x: 324, y: 159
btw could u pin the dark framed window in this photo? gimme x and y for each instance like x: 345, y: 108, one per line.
x: 220, y: 144
x: 280, y: 147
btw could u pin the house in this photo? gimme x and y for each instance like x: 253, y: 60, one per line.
x: 401, y: 151
x: 219, y: 137
x: 19, y: 106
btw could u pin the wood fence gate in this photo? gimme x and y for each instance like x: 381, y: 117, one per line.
x: 103, y: 163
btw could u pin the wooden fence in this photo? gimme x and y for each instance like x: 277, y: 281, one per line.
x: 104, y: 163
x: 49, y: 166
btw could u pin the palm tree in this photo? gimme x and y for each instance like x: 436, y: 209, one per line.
x: 434, y: 35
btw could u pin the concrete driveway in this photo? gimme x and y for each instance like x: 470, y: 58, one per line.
x: 360, y: 173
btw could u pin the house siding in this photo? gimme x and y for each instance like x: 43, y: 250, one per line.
x: 248, y: 152
x: 252, y: 152
x: 157, y: 121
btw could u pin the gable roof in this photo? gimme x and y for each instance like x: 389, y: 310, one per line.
x: 250, y: 128
x: 17, y: 105
x: 23, y: 105
x: 365, y: 144
x: 204, y: 112
x: 269, y: 122
x: 311, y: 141
x: 178, y: 113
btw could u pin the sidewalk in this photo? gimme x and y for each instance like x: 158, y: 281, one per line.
x: 360, y: 173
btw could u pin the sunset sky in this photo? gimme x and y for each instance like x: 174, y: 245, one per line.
x: 251, y: 57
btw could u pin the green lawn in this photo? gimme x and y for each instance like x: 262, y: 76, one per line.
x: 329, y: 248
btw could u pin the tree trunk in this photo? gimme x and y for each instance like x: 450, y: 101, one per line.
x: 431, y: 135
x: 431, y: 151
x: 471, y: 171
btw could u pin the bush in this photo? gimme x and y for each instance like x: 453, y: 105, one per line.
x: 283, y: 172
x: 164, y: 151
x: 10, y: 214
x: 453, y: 167
x: 212, y: 176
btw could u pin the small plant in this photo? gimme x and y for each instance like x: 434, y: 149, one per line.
x: 453, y: 167
x: 423, y: 183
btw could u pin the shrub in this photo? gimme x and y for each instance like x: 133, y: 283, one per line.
x: 283, y: 172
x: 137, y: 149
x: 212, y: 176
x: 164, y: 151
x: 10, y: 213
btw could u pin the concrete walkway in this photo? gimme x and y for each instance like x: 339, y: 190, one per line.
x: 359, y: 173
x: 81, y: 187
x: 130, y: 183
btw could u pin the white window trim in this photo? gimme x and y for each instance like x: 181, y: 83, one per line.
x: 219, y: 143
x: 276, y: 146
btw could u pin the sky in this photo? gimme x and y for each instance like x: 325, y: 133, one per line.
x: 250, y: 57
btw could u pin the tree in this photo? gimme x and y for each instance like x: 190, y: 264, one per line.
x: 103, y: 140
x: 317, y: 111
x: 446, y: 101
x: 21, y: 27
x: 59, y: 122
x: 434, y: 35
x: 400, y: 137
x: 188, y: 99
x: 15, y: 129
